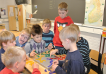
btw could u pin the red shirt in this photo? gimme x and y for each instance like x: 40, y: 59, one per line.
x: 59, y: 23
x: 9, y: 71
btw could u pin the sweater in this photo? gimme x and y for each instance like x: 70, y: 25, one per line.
x: 58, y: 26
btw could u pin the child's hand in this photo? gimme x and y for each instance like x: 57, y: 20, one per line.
x: 54, y: 67
x: 55, y: 62
x: 35, y: 66
x: 32, y: 53
x: 52, y: 52
x: 50, y: 46
x: 27, y: 57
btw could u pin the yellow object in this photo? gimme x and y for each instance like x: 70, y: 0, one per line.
x: 30, y: 62
x: 104, y: 32
x: 41, y: 61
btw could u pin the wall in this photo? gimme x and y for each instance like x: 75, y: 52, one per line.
x: 5, y: 3
x: 48, y: 9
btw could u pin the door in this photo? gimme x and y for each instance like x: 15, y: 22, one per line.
x: 11, y: 17
x: 20, y: 17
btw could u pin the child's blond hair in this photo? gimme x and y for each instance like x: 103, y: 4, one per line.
x: 12, y: 54
x: 69, y: 32
x: 62, y: 6
x: 46, y: 21
x: 27, y: 30
x: 6, y: 36
x: 76, y: 27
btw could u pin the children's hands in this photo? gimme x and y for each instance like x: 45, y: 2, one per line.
x: 52, y: 52
x: 35, y: 66
x: 32, y: 53
x: 50, y: 46
x: 55, y: 62
x: 27, y: 57
x: 54, y: 67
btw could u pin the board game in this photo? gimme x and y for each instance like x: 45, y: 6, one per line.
x: 45, y: 60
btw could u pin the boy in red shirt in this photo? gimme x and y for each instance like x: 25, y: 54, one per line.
x: 61, y: 21
x: 14, y: 58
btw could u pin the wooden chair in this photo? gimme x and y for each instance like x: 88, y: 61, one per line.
x: 97, y: 62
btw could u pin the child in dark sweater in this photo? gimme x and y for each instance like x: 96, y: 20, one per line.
x: 73, y: 63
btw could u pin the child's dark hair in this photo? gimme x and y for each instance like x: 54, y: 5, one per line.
x: 36, y: 29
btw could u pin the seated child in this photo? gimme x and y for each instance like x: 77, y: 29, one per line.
x: 47, y: 34
x: 24, y: 36
x: 7, y: 39
x: 14, y: 59
x: 73, y: 63
x: 36, y: 44
x: 83, y: 47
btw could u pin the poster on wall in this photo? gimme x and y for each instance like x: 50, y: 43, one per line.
x: 11, y: 13
x: 94, y: 11
x: 2, y: 12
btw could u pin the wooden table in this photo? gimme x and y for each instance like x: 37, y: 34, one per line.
x: 28, y: 66
x: 2, y: 26
x: 16, y: 33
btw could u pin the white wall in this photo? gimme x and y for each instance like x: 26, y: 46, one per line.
x: 5, y: 3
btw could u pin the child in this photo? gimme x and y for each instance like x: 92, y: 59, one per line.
x: 47, y: 34
x: 61, y: 21
x: 14, y: 59
x: 73, y: 63
x: 35, y: 45
x: 24, y: 36
x: 83, y: 47
x: 7, y: 39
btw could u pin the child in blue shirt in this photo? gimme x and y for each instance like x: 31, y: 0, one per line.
x: 24, y: 36
x: 73, y: 63
x: 47, y: 34
x: 7, y: 39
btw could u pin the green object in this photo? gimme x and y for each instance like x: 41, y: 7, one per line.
x: 38, y: 56
x: 35, y: 51
x: 42, y: 54
x: 47, y: 55
x: 48, y: 51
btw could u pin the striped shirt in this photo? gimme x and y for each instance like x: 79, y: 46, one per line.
x: 48, y: 37
x: 83, y: 47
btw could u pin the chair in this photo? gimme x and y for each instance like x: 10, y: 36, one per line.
x: 97, y: 61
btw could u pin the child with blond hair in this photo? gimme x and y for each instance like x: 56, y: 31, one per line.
x: 24, y: 36
x: 7, y: 39
x: 73, y: 63
x: 14, y: 59
x: 47, y: 34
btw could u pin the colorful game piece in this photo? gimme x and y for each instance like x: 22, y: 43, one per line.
x: 47, y: 55
x: 35, y: 52
x: 48, y: 51
x: 51, y: 72
x: 30, y: 62
x: 38, y: 56
x: 45, y: 70
x: 41, y: 61
x: 50, y: 62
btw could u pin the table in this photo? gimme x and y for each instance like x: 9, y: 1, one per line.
x: 16, y: 33
x: 30, y: 61
x: 30, y: 69
x: 2, y: 26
